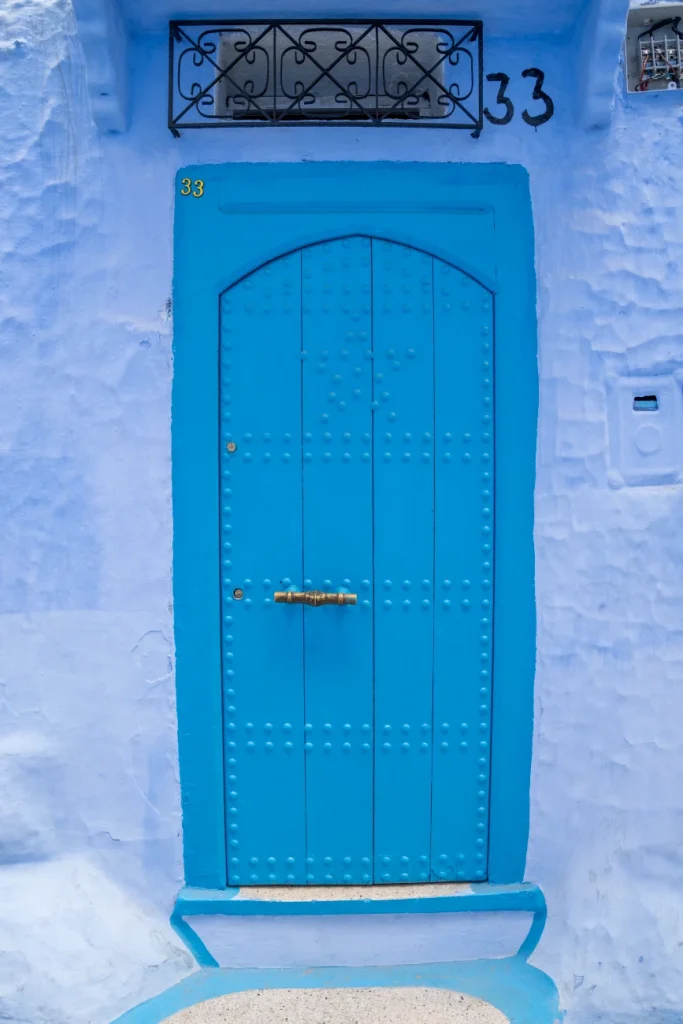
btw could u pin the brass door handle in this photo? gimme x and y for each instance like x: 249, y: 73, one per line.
x: 315, y: 598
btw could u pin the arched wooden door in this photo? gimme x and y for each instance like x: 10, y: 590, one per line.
x: 356, y: 382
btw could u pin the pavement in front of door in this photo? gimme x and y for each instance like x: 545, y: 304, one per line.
x: 506, y: 990
x: 342, y: 1006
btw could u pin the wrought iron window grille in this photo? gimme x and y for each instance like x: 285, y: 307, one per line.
x: 408, y: 73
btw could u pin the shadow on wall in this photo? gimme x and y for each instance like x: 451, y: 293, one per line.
x: 73, y: 946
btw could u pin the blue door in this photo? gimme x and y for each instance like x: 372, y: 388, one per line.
x: 357, y: 461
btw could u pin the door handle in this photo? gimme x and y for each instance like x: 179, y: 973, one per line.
x: 315, y: 598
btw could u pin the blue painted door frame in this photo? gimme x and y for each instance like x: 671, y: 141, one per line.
x: 476, y: 219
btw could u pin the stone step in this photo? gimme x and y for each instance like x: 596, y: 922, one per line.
x: 342, y: 1006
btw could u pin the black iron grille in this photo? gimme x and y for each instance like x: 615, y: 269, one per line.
x: 409, y: 73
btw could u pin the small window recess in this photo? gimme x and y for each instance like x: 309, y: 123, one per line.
x: 645, y: 403
x: 654, y: 48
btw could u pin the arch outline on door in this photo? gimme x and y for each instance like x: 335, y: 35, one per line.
x: 487, y: 285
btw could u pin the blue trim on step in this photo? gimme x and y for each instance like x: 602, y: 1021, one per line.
x: 192, y: 902
x: 522, y: 992
x: 196, y: 946
x: 480, y: 896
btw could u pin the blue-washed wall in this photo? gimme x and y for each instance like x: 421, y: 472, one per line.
x: 89, y: 821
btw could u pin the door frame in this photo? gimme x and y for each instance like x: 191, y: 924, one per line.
x: 215, y: 245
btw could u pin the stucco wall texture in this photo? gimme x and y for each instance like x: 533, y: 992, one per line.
x: 90, y: 845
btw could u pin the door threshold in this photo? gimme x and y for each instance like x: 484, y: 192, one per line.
x: 337, y: 893
x: 420, y: 898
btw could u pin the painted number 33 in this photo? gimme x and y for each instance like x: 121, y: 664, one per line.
x: 192, y: 188
x: 535, y: 119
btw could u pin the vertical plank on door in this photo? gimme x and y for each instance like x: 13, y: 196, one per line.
x: 463, y: 336
x: 404, y: 559
x: 261, y: 550
x: 337, y: 424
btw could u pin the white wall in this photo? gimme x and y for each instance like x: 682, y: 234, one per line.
x: 86, y: 629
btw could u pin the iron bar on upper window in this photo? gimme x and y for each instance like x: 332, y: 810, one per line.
x: 404, y: 72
